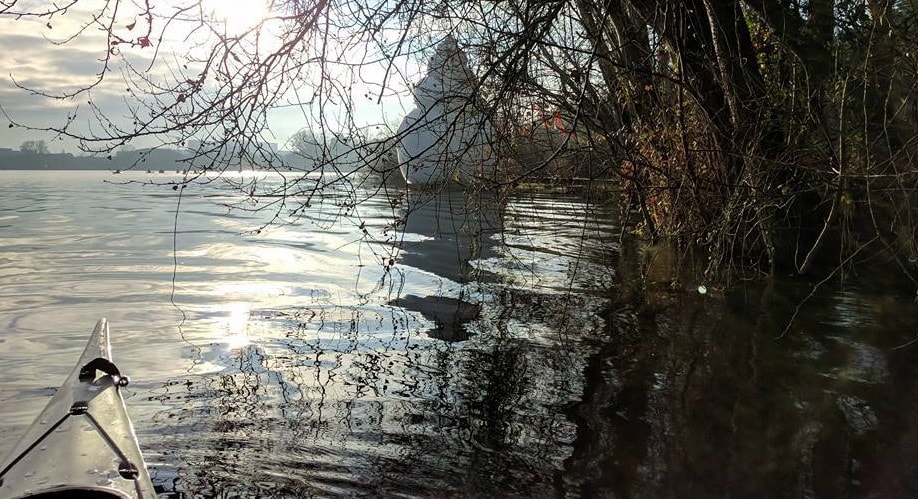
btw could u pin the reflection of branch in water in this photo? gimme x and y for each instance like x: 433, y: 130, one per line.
x: 180, y: 326
x: 816, y: 286
x: 350, y: 400
x: 358, y: 399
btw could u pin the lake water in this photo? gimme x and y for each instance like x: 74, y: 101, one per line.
x: 444, y: 346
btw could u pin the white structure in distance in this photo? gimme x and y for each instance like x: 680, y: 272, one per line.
x: 445, y: 137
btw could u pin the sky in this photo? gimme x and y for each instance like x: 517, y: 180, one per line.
x: 32, y: 55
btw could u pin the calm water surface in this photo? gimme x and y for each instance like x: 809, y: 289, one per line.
x: 444, y: 346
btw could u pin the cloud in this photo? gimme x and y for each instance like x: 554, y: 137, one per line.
x: 36, y: 64
x: 32, y: 56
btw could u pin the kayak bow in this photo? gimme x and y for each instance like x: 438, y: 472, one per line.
x: 82, y: 444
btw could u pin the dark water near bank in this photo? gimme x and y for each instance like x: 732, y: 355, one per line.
x: 508, y: 351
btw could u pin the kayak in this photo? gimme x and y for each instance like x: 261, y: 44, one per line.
x: 82, y: 444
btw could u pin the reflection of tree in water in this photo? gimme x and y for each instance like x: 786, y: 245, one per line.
x: 665, y: 394
x: 355, y: 400
x: 701, y: 399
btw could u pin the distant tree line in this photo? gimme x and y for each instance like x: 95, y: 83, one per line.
x: 34, y: 155
x: 34, y: 147
x: 308, y: 151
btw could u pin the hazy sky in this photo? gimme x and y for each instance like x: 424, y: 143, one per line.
x: 32, y: 55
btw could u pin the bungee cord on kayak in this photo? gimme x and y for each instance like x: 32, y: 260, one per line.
x: 126, y: 469
x: 29, y: 449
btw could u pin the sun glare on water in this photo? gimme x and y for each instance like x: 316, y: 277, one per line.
x: 235, y: 329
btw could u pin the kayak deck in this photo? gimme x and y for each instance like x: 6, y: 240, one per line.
x: 82, y: 444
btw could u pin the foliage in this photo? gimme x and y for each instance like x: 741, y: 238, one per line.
x: 730, y: 124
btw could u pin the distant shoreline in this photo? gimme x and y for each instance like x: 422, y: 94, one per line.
x: 139, y: 160
x: 56, y: 169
